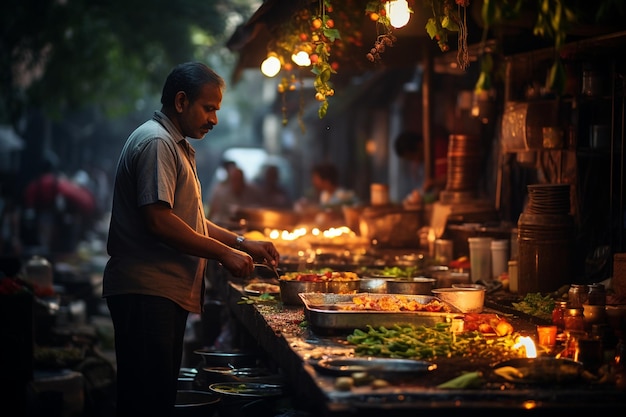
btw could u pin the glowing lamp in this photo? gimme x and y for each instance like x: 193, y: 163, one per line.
x: 398, y: 12
x: 271, y: 66
x: 301, y: 59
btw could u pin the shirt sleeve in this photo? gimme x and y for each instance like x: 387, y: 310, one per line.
x: 156, y: 173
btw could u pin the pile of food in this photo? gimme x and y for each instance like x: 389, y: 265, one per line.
x: 320, y: 276
x: 429, y: 342
x: 394, y: 303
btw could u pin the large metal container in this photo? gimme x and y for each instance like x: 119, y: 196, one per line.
x: 415, y: 285
x: 374, y: 285
x: 289, y: 290
x: 325, y: 315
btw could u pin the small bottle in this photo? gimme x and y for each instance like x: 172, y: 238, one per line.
x: 558, y: 315
x: 513, y: 276
x: 597, y: 295
x: 573, y: 320
x: 577, y: 295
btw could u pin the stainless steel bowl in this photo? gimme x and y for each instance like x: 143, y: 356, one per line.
x: 416, y: 285
x: 289, y: 290
x: 374, y: 285
x: 468, y: 300
x: 232, y: 359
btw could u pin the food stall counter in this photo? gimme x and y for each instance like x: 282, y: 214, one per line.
x: 317, y: 378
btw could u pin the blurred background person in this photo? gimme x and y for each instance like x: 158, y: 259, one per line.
x: 327, y: 199
x: 271, y: 192
x: 331, y: 194
x: 225, y: 200
x: 409, y: 146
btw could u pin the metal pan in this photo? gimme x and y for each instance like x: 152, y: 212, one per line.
x: 376, y: 367
x: 324, y: 313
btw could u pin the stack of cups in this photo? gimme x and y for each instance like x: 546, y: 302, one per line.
x: 480, y: 258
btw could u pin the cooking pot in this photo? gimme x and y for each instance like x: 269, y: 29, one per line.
x: 232, y: 359
x: 289, y: 289
x: 191, y: 403
x: 227, y: 374
x: 415, y: 285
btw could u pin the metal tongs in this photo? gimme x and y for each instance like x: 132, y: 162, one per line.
x: 272, y: 268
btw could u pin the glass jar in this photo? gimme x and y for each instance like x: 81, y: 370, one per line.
x: 558, y: 314
x: 577, y: 295
x: 597, y: 295
x: 573, y: 320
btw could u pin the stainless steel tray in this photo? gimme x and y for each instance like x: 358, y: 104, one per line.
x: 323, y: 313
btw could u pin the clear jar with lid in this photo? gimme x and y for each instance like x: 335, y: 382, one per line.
x: 597, y: 295
x: 574, y: 319
x: 577, y: 295
x: 558, y: 314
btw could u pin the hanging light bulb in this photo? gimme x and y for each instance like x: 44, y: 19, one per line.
x: 301, y: 59
x: 398, y: 12
x: 271, y: 65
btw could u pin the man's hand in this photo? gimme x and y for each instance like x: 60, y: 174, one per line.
x: 262, y: 251
x: 238, y: 263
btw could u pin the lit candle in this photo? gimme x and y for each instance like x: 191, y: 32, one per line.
x: 528, y: 344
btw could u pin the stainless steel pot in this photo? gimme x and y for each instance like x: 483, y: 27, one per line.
x: 416, y: 285
x: 232, y: 359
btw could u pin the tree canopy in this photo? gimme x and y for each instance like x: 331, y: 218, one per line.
x: 59, y: 55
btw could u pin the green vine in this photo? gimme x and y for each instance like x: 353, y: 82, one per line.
x: 450, y: 16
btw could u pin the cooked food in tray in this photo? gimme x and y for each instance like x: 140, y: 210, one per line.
x: 320, y: 276
x: 331, y: 312
x: 394, y: 303
x: 368, y: 302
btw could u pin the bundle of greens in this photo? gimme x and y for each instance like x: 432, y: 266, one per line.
x: 537, y: 305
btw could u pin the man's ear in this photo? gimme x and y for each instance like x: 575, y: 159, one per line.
x: 180, y: 101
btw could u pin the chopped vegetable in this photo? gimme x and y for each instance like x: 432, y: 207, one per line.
x: 535, y: 304
x: 423, y: 342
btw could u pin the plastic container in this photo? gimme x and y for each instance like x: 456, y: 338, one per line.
x: 499, y: 257
x: 444, y: 251
x: 480, y: 258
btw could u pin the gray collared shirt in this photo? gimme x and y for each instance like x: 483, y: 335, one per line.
x: 157, y: 164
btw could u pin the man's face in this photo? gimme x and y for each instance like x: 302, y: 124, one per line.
x: 197, y: 118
